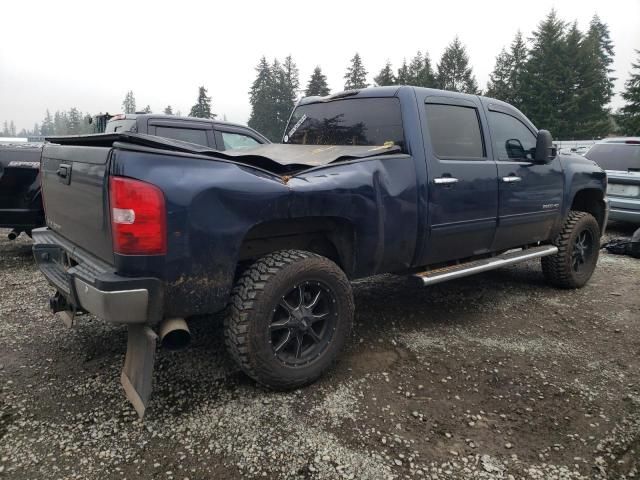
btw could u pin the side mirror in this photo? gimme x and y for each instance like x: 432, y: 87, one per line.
x: 545, y: 151
x: 514, y: 148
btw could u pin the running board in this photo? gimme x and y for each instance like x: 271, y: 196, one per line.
x: 443, y: 274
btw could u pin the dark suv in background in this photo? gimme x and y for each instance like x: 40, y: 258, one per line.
x: 20, y: 199
x: 620, y: 158
x: 201, y: 131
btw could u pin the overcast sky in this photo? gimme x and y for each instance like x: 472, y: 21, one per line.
x: 59, y: 54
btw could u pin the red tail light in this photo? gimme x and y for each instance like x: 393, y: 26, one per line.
x: 138, y: 218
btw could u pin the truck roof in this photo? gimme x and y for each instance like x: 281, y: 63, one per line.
x: 136, y: 116
x: 393, y: 91
x: 390, y: 91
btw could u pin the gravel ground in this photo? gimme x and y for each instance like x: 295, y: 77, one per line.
x: 493, y: 376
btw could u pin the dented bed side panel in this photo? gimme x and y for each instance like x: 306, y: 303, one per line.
x: 379, y: 199
x: 212, y: 205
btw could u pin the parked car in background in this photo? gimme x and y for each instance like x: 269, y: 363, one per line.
x: 620, y: 158
x: 20, y: 199
x: 201, y: 131
x: 147, y: 232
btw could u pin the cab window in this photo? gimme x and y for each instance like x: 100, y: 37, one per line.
x: 237, y: 140
x: 455, y: 132
x: 512, y: 140
x: 191, y: 135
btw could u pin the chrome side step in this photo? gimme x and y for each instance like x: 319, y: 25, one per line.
x: 443, y: 274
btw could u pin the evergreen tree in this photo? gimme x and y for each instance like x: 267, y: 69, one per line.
x: 356, y: 76
x: 454, y: 72
x: 385, y: 77
x: 129, y: 103
x: 629, y: 115
x: 291, y: 77
x: 74, y: 120
x: 419, y: 72
x: 505, y: 81
x: 403, y: 74
x: 36, y: 130
x: 595, y: 82
x: 168, y: 110
x: 571, y: 116
x: 5, y: 129
x: 544, y: 76
x: 262, y: 102
x: 61, y: 123
x: 147, y: 109
x: 47, y: 124
x: 499, y: 85
x: 202, y: 108
x: 283, y: 97
x: 317, y: 85
x: 12, y: 129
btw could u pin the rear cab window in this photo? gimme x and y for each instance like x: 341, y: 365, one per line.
x: 191, y: 135
x: 349, y: 121
x: 455, y: 132
x: 616, y: 156
x: 115, y: 126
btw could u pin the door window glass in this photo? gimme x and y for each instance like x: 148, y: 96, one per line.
x: 237, y: 140
x: 455, y: 131
x: 512, y: 140
x: 191, y: 135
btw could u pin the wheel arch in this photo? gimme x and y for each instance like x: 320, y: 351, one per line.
x: 331, y: 237
x: 591, y: 200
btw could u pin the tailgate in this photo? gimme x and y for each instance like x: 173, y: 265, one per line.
x: 19, y: 167
x: 74, y: 188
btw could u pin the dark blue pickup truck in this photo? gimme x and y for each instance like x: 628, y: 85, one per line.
x: 436, y: 185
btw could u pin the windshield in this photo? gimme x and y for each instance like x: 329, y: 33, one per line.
x: 355, y: 121
x: 615, y: 156
x: 120, y: 126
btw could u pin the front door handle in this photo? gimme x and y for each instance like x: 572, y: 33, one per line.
x: 511, y: 179
x: 445, y: 180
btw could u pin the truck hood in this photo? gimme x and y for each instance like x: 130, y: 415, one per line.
x: 276, y: 158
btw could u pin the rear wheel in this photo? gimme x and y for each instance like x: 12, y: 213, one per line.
x: 290, y: 315
x: 578, y: 248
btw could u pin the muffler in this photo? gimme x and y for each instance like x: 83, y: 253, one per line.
x: 174, y: 333
x: 13, y: 234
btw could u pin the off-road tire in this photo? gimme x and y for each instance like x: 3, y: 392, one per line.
x: 558, y: 269
x: 253, y: 301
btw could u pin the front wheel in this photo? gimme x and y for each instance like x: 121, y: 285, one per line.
x: 578, y: 248
x: 290, y: 315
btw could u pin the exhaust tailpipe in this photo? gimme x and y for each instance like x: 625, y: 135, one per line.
x: 174, y: 333
x: 13, y: 234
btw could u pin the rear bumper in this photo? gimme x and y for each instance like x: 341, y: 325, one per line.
x: 21, y: 218
x: 90, y: 285
x: 624, y: 209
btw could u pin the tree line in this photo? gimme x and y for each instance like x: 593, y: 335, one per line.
x: 560, y: 77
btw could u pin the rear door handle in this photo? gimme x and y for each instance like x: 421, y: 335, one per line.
x: 445, y: 180
x: 511, y: 179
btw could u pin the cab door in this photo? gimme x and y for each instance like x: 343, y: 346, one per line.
x: 462, y: 180
x: 530, y: 193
